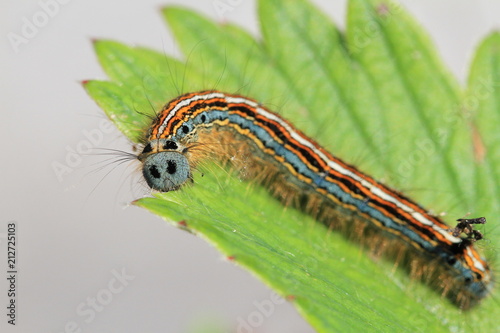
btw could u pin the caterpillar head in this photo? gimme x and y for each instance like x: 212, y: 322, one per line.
x: 164, y: 165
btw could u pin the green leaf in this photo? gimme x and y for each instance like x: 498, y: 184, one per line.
x: 328, y: 279
x: 377, y: 95
x: 119, y: 106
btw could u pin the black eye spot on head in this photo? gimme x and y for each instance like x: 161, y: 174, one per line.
x: 468, y: 280
x: 185, y: 129
x: 479, y: 277
x: 171, y: 167
x: 166, y: 170
x: 147, y: 149
x: 203, y: 118
x: 170, y: 145
x: 153, y: 170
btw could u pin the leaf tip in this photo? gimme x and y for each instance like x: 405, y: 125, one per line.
x: 169, y: 10
x: 493, y: 37
x: 176, y: 13
x: 137, y: 202
x: 495, y: 32
x: 183, y: 225
x: 164, y: 9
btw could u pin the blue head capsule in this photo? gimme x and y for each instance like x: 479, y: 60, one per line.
x: 166, y: 171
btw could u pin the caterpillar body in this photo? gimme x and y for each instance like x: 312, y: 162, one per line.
x: 299, y: 172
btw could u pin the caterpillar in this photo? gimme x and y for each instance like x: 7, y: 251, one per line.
x: 210, y: 124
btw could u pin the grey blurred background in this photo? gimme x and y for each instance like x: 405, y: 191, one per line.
x: 76, y: 231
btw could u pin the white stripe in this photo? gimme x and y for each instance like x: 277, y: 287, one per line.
x: 477, y: 263
x: 183, y: 104
x: 375, y: 190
